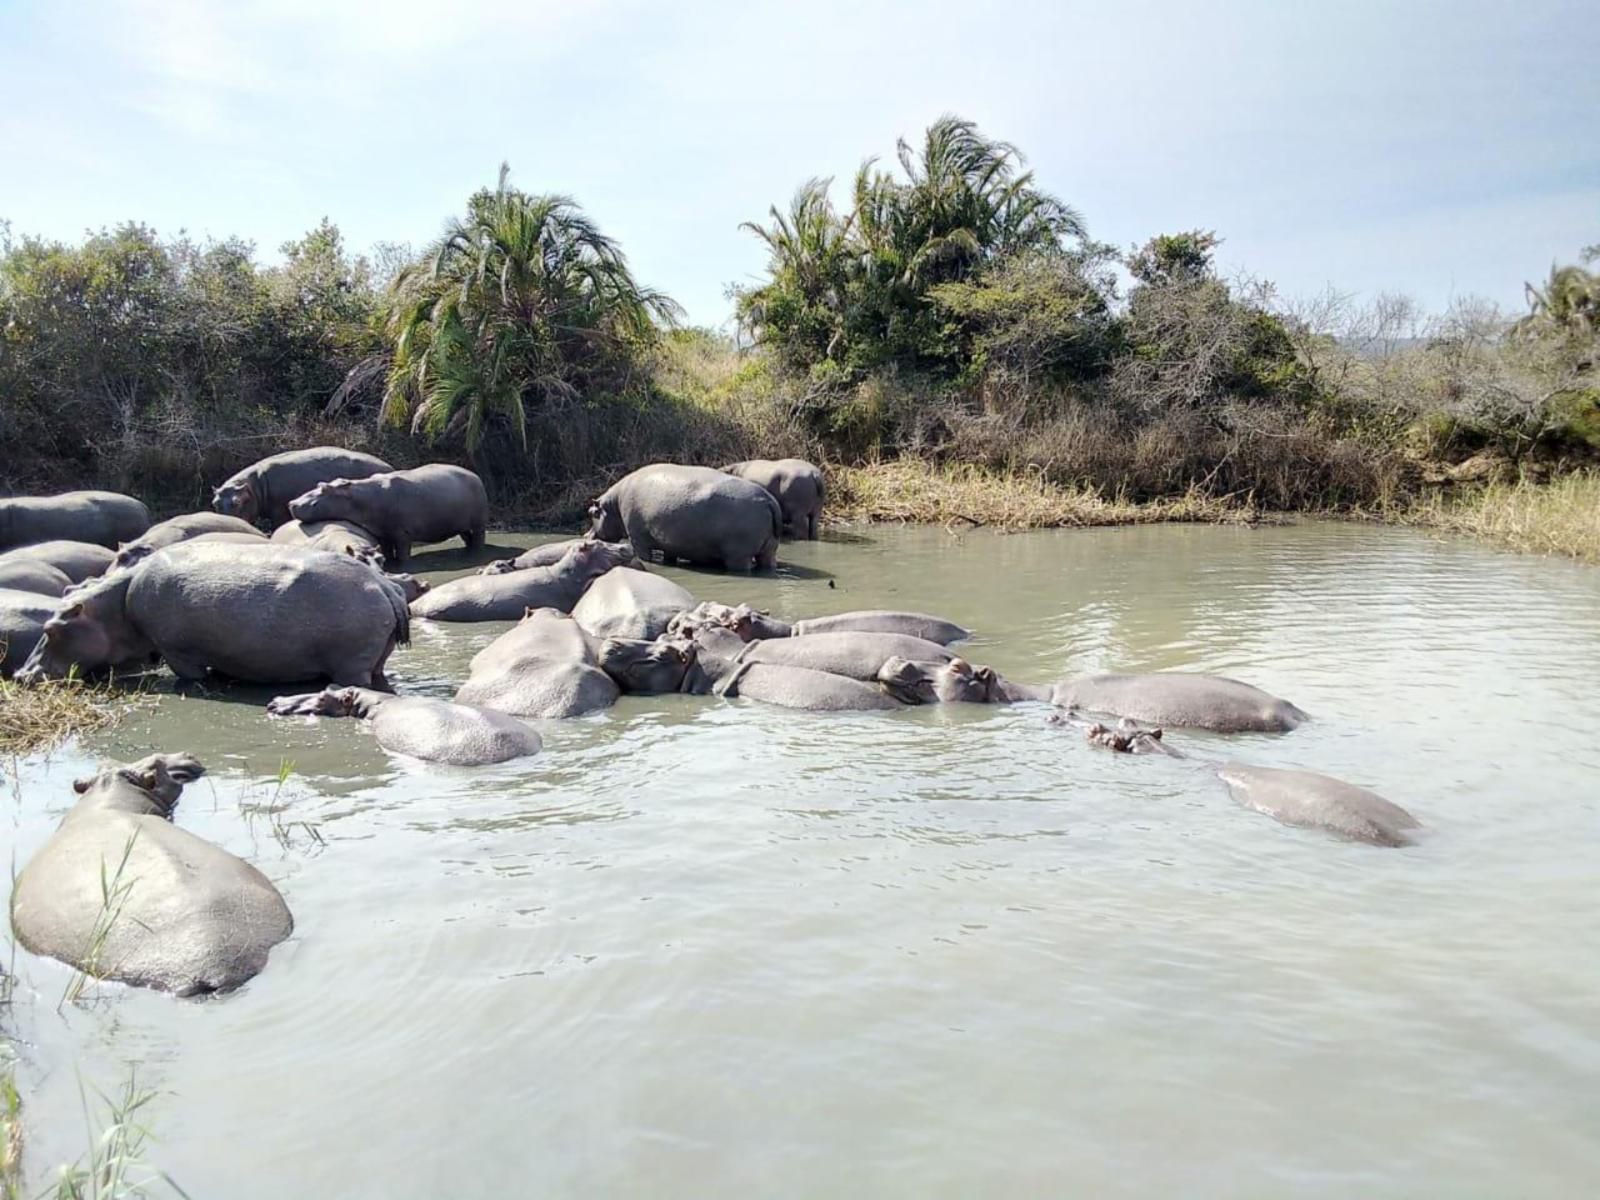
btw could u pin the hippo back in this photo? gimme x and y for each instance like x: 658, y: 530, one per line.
x: 22, y: 618
x: 101, y: 518
x: 76, y: 560
x: 280, y: 478
x: 696, y: 513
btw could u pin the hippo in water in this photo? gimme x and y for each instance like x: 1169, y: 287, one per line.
x: 402, y: 508
x: 436, y: 730
x: 550, y: 553
x: 682, y: 665
x: 22, y: 620
x: 752, y: 625
x: 1176, y: 699
x: 262, y: 491
x: 691, y: 513
x: 119, y: 892
x: 629, y: 603
x: 955, y: 681
x: 264, y: 614
x: 182, y: 529
x: 1303, y: 798
x: 797, y: 487
x: 76, y: 560
x: 544, y: 667
x: 102, y: 518
x: 507, y: 597
x: 851, y: 654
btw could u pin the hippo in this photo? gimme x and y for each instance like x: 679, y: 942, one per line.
x: 262, y: 491
x: 424, y: 504
x: 76, y: 560
x: 120, y: 893
x: 22, y: 619
x: 181, y: 529
x: 1172, y: 698
x: 544, y: 667
x: 436, y: 730
x: 102, y: 518
x: 854, y: 655
x: 691, y: 513
x: 681, y: 665
x: 955, y: 681
x: 508, y: 597
x: 263, y: 614
x: 341, y: 537
x: 629, y: 603
x: 752, y: 625
x: 797, y: 487
x: 23, y: 575
x: 1315, y: 801
x: 550, y: 553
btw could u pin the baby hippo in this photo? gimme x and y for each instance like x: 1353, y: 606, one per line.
x: 437, y: 730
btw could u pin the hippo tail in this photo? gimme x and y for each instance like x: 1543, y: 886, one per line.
x: 402, y: 613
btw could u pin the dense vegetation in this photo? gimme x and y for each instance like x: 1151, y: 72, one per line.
x: 952, y: 313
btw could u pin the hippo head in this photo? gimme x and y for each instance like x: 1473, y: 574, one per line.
x: 329, y: 702
x: 237, y: 499
x: 89, y: 633
x: 645, y: 667
x: 152, y: 785
x: 606, y: 520
x: 590, y: 558
x: 409, y: 585
x: 747, y: 623
x: 328, y: 501
x: 956, y: 681
x: 131, y: 555
x: 1126, y: 738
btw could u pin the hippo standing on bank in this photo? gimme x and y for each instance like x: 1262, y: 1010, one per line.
x: 421, y: 726
x: 22, y: 619
x: 691, y: 513
x: 262, y: 614
x: 103, y: 518
x: 797, y: 487
x: 629, y: 603
x: 182, y: 529
x: 507, y: 597
x: 119, y: 892
x: 545, y: 667
x: 401, y: 508
x: 76, y: 560
x: 1176, y: 699
x: 262, y: 491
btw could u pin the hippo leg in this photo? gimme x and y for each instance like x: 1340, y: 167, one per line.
x: 739, y: 563
x: 643, y: 548
x: 473, y: 538
x: 396, y: 552
x: 186, y: 669
x: 811, y: 527
x: 767, y: 556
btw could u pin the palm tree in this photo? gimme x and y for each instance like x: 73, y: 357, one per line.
x: 523, y: 301
x: 1568, y: 303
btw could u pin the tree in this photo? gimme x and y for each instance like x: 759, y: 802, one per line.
x: 523, y: 302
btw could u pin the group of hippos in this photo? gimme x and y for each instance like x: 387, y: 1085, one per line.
x: 88, y: 586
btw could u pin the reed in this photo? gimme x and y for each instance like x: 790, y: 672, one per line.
x: 39, y: 716
x: 1560, y: 517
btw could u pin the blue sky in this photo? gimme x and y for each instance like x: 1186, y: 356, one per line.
x: 1439, y: 149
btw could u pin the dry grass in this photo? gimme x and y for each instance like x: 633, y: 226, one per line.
x: 914, y: 490
x: 43, y: 715
x: 1560, y: 517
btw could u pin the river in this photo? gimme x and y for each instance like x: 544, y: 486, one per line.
x: 706, y: 947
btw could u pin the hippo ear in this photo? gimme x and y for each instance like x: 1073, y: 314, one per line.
x: 83, y: 785
x: 148, y: 778
x: 594, y: 509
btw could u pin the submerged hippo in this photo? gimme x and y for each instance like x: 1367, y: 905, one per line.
x: 102, y: 518
x: 22, y: 619
x: 752, y: 625
x: 550, y: 553
x: 507, y: 597
x: 262, y: 491
x: 854, y: 655
x: 265, y: 614
x: 682, y: 665
x: 182, y: 529
x: 1319, y: 802
x: 954, y: 682
x: 545, y: 667
x: 22, y: 575
x: 76, y: 560
x: 629, y: 603
x: 119, y: 892
x: 401, y: 508
x: 421, y: 726
x: 797, y: 487
x: 691, y: 513
x: 1176, y: 699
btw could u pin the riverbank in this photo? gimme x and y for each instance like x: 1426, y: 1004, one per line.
x: 1561, y: 517
x: 42, y: 716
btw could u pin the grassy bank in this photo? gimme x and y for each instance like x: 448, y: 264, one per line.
x: 1560, y: 517
x: 44, y: 715
x: 962, y: 494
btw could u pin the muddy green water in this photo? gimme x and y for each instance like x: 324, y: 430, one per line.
x: 702, y: 947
